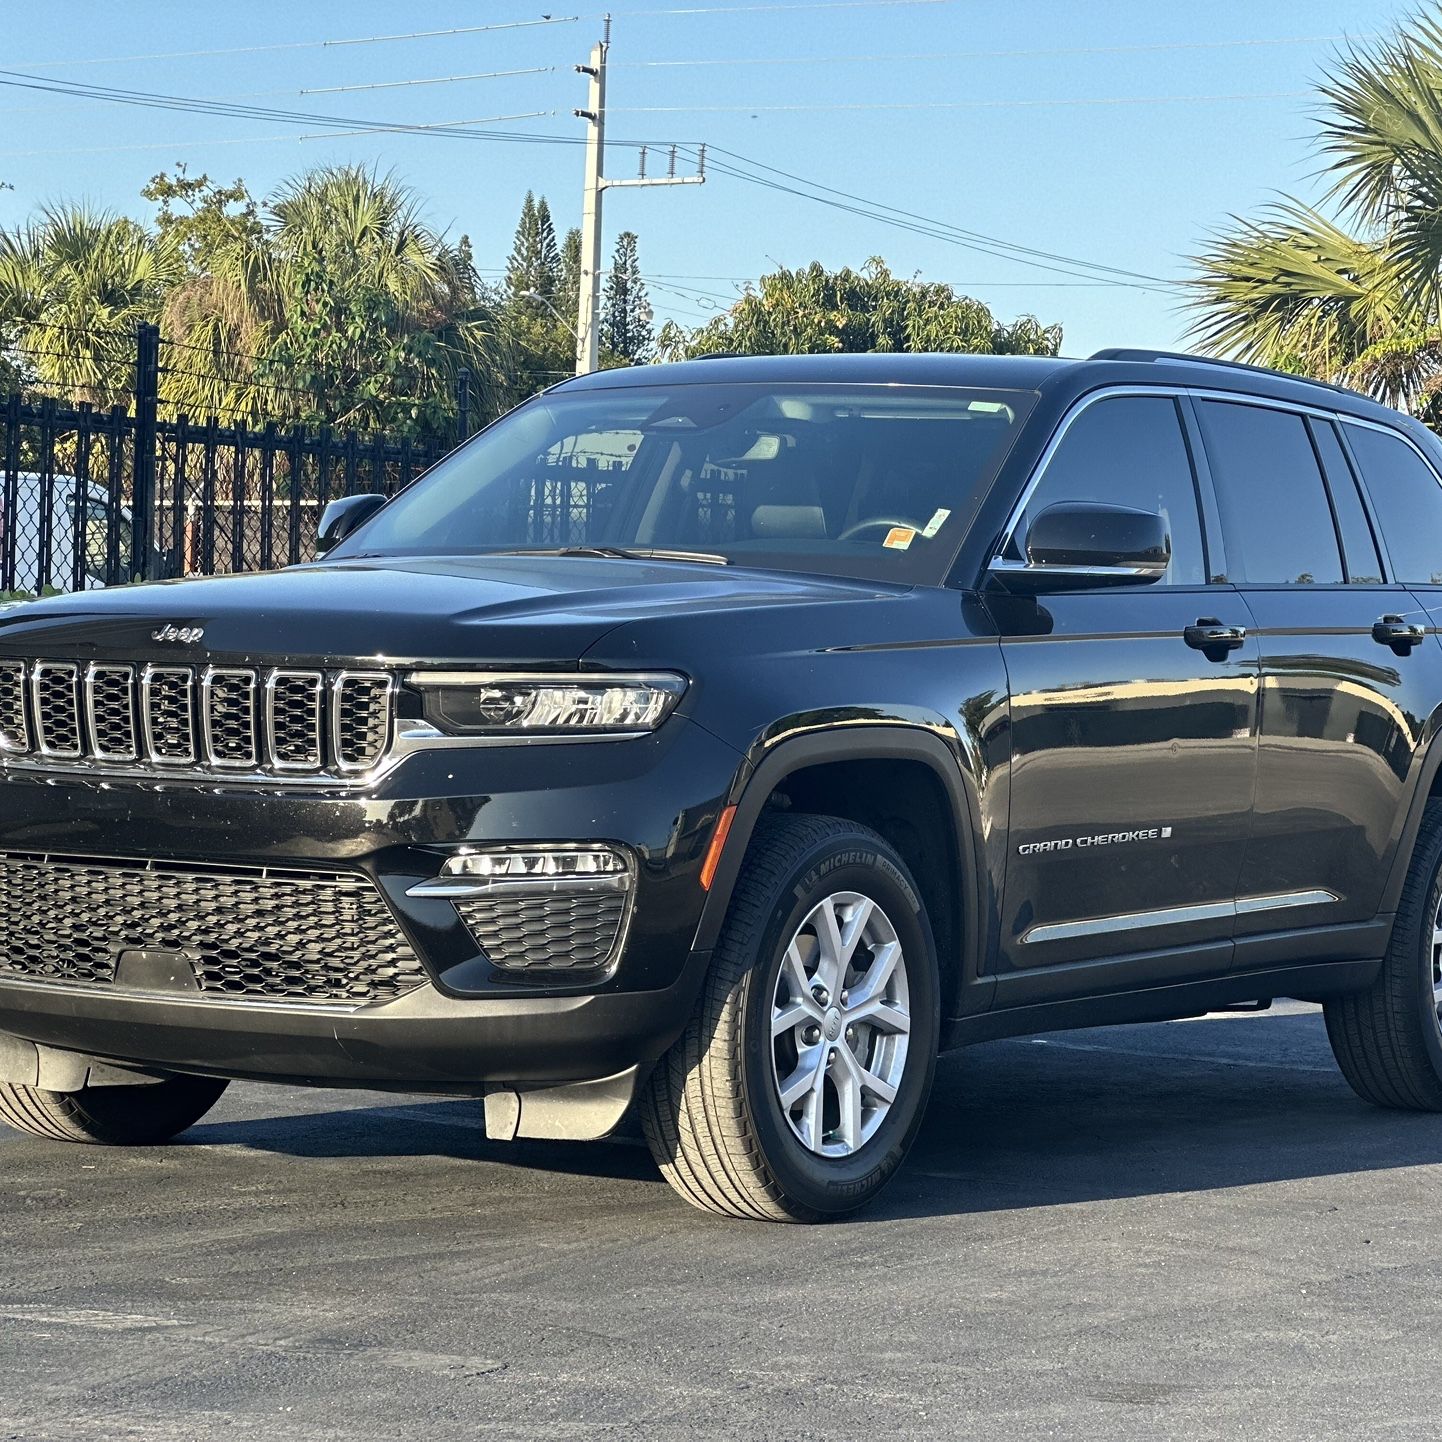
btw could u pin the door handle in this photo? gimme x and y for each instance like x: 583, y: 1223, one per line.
x: 1400, y: 635
x: 1213, y: 639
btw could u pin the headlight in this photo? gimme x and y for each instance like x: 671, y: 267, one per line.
x: 476, y: 704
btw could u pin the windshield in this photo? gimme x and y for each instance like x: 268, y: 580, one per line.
x: 852, y: 480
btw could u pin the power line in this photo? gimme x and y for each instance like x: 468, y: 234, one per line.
x: 811, y: 5
x: 956, y: 104
x: 438, y: 80
x: 157, y: 100
x: 926, y: 225
x: 298, y: 44
x: 378, y: 129
x: 947, y: 55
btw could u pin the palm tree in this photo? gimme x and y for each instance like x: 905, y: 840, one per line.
x: 73, y: 286
x: 343, y: 306
x: 1353, y: 298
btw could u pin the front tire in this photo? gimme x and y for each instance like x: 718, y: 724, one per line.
x: 1388, y: 1039
x: 116, y: 1116
x: 802, y: 1078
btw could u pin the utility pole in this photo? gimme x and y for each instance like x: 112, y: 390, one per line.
x: 588, y: 316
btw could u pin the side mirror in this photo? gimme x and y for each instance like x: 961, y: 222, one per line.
x: 1079, y: 544
x: 342, y: 517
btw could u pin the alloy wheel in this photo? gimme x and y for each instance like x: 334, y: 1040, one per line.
x: 840, y: 1024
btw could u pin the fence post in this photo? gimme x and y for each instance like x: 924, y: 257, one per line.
x: 463, y: 406
x: 142, y: 498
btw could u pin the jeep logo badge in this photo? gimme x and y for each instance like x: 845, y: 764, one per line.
x: 186, y: 635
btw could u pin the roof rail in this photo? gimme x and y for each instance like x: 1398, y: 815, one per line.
x: 1125, y: 353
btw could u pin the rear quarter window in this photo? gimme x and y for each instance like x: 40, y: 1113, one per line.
x: 1407, y: 499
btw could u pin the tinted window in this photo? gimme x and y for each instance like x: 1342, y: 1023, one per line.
x: 1359, y: 549
x: 1128, y: 451
x: 1408, y: 503
x: 1276, y: 520
x: 857, y: 480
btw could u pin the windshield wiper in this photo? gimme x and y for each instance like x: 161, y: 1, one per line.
x: 623, y: 553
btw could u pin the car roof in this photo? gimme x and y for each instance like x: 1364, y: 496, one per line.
x: 1070, y: 374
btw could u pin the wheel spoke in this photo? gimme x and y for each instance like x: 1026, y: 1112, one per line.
x: 881, y: 1014
x: 848, y: 1095
x: 873, y: 984
x: 868, y: 1081
x: 792, y: 1016
x: 854, y: 929
x: 810, y: 1064
x: 793, y: 968
x: 814, y: 1109
x: 830, y: 966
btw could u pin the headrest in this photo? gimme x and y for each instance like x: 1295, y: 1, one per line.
x: 792, y: 523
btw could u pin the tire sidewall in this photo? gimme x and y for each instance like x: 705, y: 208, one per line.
x: 862, y: 864
x: 1422, y: 956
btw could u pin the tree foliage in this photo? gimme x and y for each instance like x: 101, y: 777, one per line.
x: 74, y: 284
x: 626, y: 332
x: 816, y: 311
x: 1350, y: 297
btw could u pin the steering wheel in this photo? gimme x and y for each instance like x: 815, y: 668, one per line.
x: 877, y: 523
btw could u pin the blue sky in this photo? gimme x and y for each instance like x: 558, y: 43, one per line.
x: 964, y: 111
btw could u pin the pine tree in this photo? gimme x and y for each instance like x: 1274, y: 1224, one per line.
x: 568, y: 292
x: 535, y: 261
x: 626, y: 314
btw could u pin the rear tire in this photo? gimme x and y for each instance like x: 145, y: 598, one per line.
x: 1388, y: 1039
x: 123, y: 1116
x: 802, y: 1077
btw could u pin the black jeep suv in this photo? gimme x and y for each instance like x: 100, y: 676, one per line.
x: 719, y: 740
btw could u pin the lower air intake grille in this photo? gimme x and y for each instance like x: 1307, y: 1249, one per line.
x: 554, y: 931
x: 259, y: 935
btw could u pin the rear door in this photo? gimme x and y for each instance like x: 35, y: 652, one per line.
x: 1345, y: 682
x: 1134, y: 747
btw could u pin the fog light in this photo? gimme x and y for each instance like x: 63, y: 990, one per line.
x: 499, y: 865
x: 561, y: 909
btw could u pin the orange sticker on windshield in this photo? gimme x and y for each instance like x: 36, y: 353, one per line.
x: 898, y: 538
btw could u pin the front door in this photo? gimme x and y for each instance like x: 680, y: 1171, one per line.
x: 1134, y: 725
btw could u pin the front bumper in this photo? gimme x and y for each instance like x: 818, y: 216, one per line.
x: 469, y: 1025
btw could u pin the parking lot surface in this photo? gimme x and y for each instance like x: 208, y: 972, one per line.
x: 1188, y: 1230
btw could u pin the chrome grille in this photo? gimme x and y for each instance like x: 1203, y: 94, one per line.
x: 110, y: 712
x: 14, y: 724
x: 117, y: 715
x: 360, y: 720
x: 228, y: 715
x: 293, y: 719
x: 55, y: 689
x: 169, y: 710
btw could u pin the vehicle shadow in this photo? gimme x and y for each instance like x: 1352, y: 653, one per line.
x: 1077, y: 1117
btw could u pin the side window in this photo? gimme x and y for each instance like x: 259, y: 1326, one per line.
x: 1276, y: 519
x: 1408, y: 503
x: 1129, y: 451
x: 1359, y: 548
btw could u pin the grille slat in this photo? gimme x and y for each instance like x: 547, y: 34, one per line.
x: 246, y: 934
x: 228, y: 713
x: 55, y: 687
x: 110, y: 712
x: 169, y: 707
x: 293, y: 721
x: 14, y: 723
x: 276, y: 722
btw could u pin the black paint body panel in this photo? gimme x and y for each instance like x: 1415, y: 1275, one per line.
x: 1297, y: 762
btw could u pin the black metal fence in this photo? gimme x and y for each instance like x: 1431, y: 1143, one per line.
x: 93, y: 497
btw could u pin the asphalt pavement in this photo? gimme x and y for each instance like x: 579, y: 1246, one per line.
x: 1191, y: 1230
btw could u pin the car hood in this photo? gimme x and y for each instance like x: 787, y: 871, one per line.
x: 506, y: 610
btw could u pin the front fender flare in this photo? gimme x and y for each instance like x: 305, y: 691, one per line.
x: 840, y: 743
